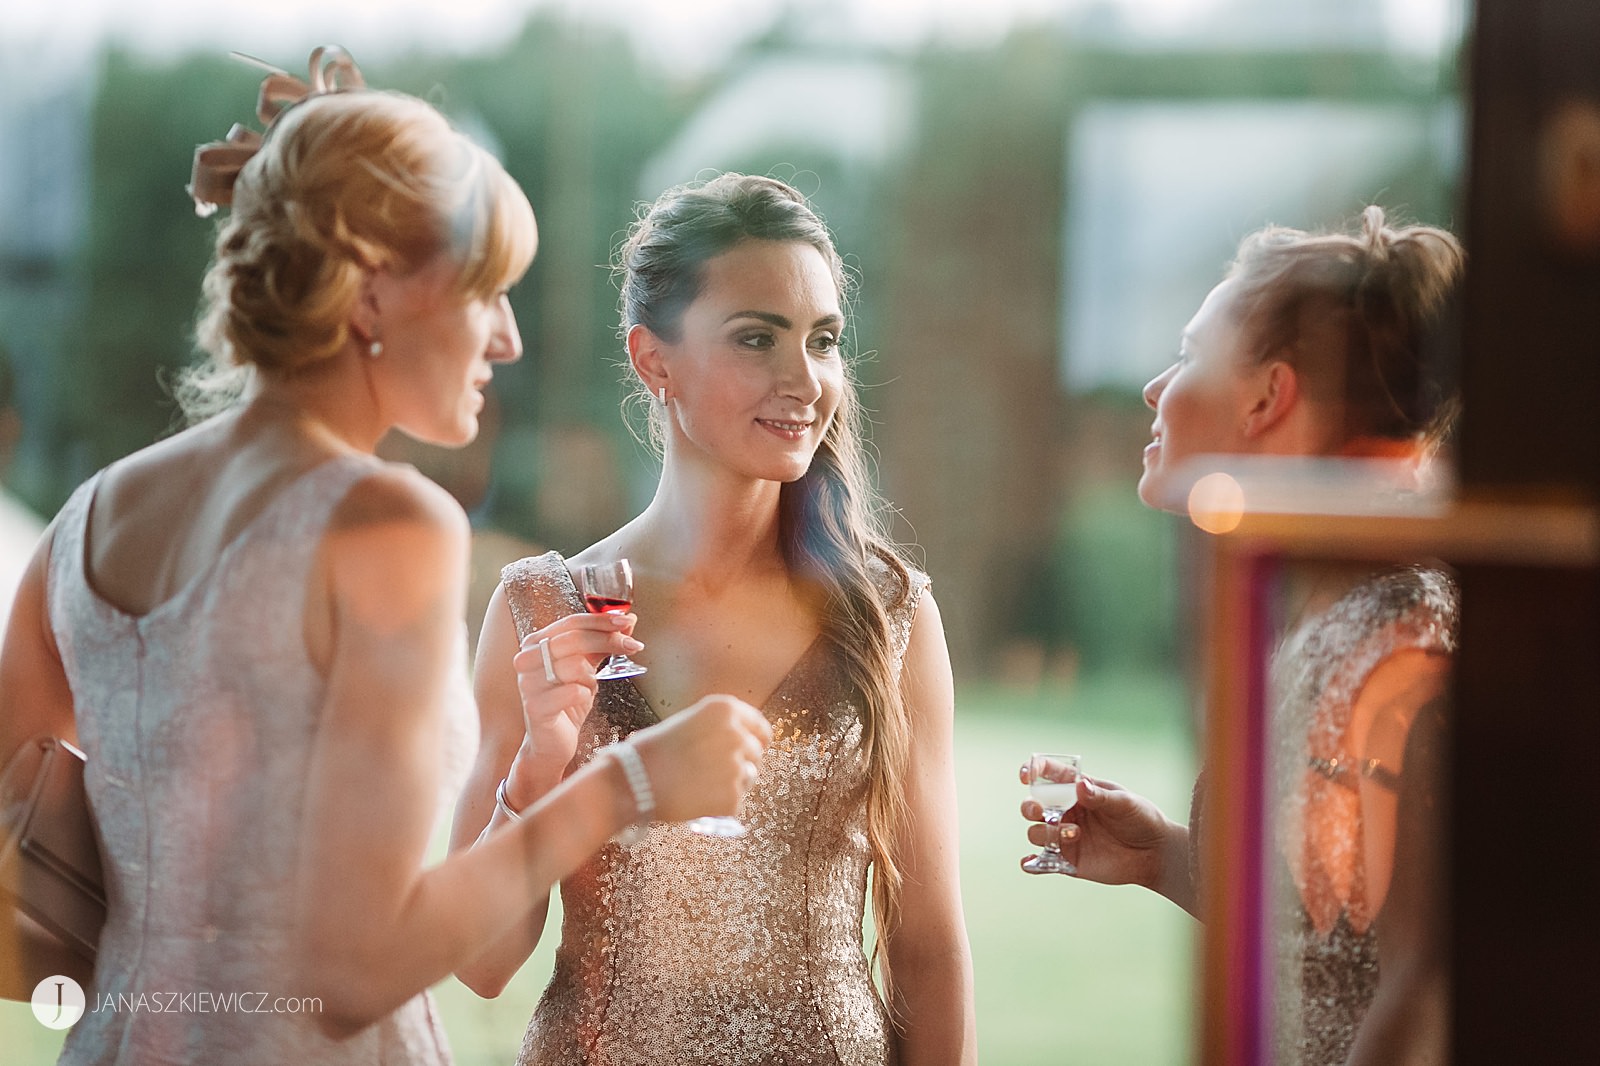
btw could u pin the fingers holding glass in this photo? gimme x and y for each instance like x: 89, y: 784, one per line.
x: 567, y: 651
x: 607, y: 588
x: 724, y: 825
x: 1053, y: 783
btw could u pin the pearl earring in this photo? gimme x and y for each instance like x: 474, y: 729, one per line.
x: 375, y: 349
x: 661, y: 394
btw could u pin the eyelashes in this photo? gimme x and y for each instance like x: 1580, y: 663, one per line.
x: 826, y: 343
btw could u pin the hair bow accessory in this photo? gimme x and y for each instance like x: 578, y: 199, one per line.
x: 217, y: 163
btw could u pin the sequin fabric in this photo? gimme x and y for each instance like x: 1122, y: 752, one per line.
x: 1328, y: 956
x: 687, y: 949
x: 1326, y: 952
x: 198, y: 719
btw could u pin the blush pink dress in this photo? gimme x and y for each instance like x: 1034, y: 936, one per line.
x: 199, y: 720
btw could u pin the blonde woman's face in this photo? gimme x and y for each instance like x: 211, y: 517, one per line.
x: 440, y: 350
x: 756, y: 375
x: 1201, y: 401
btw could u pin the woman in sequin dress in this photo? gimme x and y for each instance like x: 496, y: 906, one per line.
x: 1313, y: 346
x: 254, y: 628
x: 761, y: 572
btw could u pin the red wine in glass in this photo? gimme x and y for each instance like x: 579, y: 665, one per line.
x: 607, y: 588
x: 606, y: 605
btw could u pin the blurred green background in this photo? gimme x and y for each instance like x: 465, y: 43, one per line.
x: 1033, y: 203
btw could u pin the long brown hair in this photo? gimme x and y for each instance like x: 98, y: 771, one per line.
x: 830, y: 521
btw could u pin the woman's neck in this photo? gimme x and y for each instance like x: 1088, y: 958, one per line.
x: 706, y: 526
x: 329, y: 404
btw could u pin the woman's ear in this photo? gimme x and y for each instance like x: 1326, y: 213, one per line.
x: 645, y: 354
x: 1276, y: 396
x: 367, y: 311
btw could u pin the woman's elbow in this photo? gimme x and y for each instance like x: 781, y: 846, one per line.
x: 349, y: 996
x: 484, y: 981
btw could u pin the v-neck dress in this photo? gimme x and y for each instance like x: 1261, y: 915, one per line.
x: 690, y: 949
x: 199, y: 719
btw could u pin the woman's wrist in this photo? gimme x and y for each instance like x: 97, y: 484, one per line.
x: 527, y: 782
x: 503, y: 806
x: 1172, y: 878
x: 636, y: 798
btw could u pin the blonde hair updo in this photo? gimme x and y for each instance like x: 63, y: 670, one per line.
x: 346, y: 183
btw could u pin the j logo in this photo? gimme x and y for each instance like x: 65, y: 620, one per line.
x: 58, y: 1002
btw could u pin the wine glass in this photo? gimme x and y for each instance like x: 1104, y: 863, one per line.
x: 607, y: 588
x: 1053, y: 782
x: 717, y: 825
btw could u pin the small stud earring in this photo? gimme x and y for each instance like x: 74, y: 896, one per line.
x: 661, y: 394
x: 375, y: 349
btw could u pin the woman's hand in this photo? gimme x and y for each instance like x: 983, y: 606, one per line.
x: 555, y: 669
x: 702, y: 760
x: 1118, y: 837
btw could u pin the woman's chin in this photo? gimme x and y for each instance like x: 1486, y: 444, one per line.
x: 1154, y: 492
x: 1147, y: 488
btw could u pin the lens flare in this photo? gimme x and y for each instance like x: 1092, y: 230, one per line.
x: 1216, y: 503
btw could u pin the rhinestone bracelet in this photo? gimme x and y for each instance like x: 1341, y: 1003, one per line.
x: 644, y: 797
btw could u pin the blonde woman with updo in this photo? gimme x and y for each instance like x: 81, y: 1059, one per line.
x: 254, y: 629
x: 1318, y: 345
x: 760, y: 569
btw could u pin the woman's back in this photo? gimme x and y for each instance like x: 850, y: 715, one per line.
x: 199, y: 715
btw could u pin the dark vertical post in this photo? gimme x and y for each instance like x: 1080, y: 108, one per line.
x: 1526, y: 764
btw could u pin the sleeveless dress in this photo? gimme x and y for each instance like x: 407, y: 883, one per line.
x: 1326, y: 949
x: 199, y: 719
x: 687, y: 949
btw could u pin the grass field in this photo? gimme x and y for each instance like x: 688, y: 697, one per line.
x: 1066, y: 971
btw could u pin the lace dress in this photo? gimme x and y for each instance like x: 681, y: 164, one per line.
x: 199, y: 719
x: 1326, y: 954
x: 688, y: 949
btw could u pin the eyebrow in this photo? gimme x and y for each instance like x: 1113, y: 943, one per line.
x: 780, y: 321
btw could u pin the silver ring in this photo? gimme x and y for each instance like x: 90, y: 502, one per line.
x: 549, y: 667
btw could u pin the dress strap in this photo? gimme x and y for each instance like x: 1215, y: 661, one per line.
x: 539, y: 590
x: 1342, y: 770
x: 901, y: 598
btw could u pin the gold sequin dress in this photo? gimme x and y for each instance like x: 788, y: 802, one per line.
x: 684, y: 949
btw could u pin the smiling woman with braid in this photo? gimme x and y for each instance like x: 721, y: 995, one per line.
x: 761, y: 571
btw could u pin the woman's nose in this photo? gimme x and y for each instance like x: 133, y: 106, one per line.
x: 506, y: 342
x: 800, y: 378
x: 1156, y: 386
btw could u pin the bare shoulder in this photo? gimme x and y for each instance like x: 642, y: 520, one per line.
x: 396, y: 524
x: 926, y: 675
x: 394, y: 496
x: 396, y: 550
x: 160, y: 475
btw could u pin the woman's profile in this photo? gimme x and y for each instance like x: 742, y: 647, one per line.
x: 254, y: 627
x: 1317, y: 345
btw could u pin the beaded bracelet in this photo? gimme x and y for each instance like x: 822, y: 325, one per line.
x: 644, y: 797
